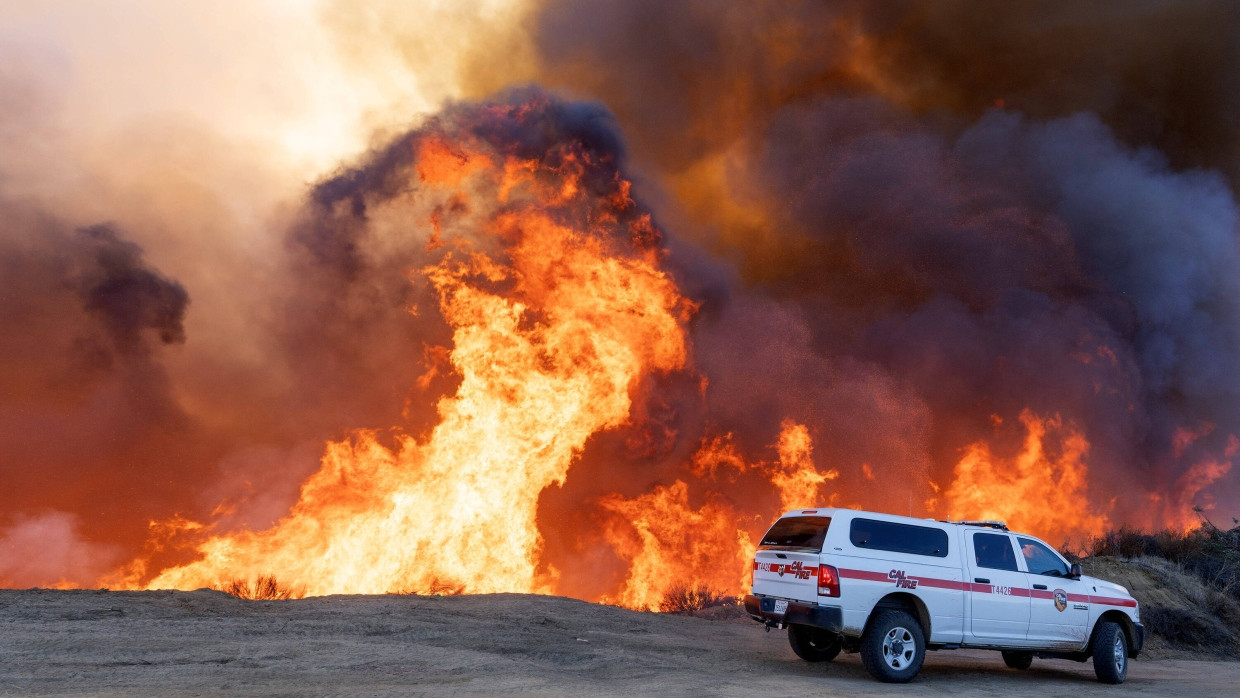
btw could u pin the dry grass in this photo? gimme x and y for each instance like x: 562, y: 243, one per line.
x: 1209, y: 553
x: 437, y: 587
x: 1178, y: 609
x: 263, y: 588
x: 1188, y: 627
x: 686, y: 599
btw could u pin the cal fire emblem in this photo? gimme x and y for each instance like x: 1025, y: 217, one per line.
x: 796, y: 569
x: 1061, y: 600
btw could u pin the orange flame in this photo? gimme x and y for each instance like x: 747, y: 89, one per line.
x: 1180, y: 508
x: 668, y: 543
x: 552, y: 285
x: 543, y: 365
x: 1042, y: 493
x: 796, y: 478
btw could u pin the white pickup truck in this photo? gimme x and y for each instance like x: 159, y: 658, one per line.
x: 892, y: 587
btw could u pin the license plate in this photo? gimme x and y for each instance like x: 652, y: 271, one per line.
x: 781, y: 606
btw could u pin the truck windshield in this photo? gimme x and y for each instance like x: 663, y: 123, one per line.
x: 797, y: 532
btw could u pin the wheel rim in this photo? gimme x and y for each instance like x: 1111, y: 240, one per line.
x: 899, y: 647
x: 1119, y: 655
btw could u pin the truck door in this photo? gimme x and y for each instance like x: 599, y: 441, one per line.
x: 1058, y: 606
x: 999, y: 597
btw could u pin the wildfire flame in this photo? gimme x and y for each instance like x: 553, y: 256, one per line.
x: 668, y: 543
x: 551, y: 281
x: 797, y: 479
x: 549, y: 339
x: 1036, y: 491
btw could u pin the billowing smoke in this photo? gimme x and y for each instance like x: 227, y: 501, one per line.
x: 969, y: 209
x: 86, y: 398
x: 1161, y: 73
x: 151, y: 154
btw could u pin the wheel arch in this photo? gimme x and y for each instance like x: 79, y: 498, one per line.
x: 903, y: 601
x: 1123, y: 621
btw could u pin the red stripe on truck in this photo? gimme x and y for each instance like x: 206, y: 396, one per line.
x: 976, y: 588
x: 785, y: 568
x: 1112, y: 601
x: 943, y: 583
x: 886, y: 577
x: 864, y: 574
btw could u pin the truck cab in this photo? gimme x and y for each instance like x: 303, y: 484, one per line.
x: 892, y: 587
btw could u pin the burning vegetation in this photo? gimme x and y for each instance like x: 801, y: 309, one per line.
x: 265, y: 587
x: 562, y: 317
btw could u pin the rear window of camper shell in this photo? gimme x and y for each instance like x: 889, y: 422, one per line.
x: 800, y: 532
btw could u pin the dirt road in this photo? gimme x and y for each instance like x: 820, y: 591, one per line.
x: 207, y: 643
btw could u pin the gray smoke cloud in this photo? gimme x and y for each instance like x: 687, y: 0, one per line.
x: 982, y: 208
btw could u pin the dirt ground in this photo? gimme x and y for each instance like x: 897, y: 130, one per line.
x: 206, y: 643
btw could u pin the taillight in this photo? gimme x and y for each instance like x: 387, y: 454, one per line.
x: 828, y: 581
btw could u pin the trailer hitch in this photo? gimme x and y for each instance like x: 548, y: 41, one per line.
x: 772, y: 624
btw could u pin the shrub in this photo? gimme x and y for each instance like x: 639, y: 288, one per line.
x: 1183, y: 626
x: 1225, y: 607
x: 1126, y: 542
x: 1206, y: 552
x: 437, y: 587
x: 264, y: 588
x: 684, y: 599
x: 1178, y: 546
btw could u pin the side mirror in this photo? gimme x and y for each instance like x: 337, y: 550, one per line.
x: 1075, y: 571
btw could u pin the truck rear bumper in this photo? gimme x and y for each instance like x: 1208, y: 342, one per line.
x: 761, y: 609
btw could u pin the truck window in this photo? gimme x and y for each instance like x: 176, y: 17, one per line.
x: 994, y: 551
x: 797, y: 532
x: 1041, y: 559
x: 898, y: 538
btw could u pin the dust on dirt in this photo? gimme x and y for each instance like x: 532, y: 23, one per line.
x: 170, y: 643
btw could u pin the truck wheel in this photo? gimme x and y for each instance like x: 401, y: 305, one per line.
x: 1110, y: 649
x: 893, y: 647
x: 1018, y: 660
x: 813, y: 644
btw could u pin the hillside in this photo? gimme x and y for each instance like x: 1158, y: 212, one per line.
x: 1182, y: 616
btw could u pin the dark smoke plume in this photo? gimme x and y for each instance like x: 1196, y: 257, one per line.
x: 685, y: 77
x: 979, y: 207
x: 128, y: 296
x: 88, y: 421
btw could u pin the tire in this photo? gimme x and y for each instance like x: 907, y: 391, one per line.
x: 813, y: 644
x: 1018, y: 660
x: 1110, y: 650
x: 893, y: 647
